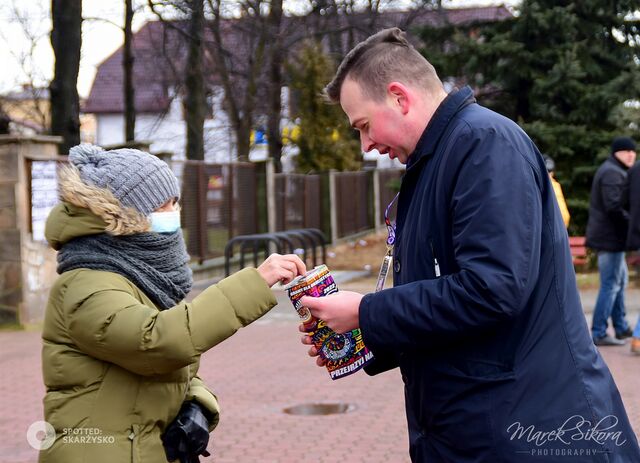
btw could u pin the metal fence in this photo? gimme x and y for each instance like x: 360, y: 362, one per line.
x: 298, y: 201
x: 222, y: 201
x: 353, y: 203
x: 219, y: 201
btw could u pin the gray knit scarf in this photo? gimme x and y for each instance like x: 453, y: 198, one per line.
x: 157, y: 263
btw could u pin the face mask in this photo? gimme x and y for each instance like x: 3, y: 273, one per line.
x: 165, y: 222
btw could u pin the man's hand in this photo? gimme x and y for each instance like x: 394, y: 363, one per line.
x: 313, y: 352
x: 281, y: 268
x: 340, y: 311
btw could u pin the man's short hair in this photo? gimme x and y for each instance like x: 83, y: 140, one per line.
x: 384, y: 57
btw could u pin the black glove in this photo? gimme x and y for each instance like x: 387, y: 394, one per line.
x: 187, y: 435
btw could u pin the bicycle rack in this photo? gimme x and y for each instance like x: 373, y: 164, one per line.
x: 307, y: 238
x: 264, y: 238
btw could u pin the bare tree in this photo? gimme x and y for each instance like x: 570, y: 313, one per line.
x: 195, y: 100
x: 30, y: 103
x: 275, y: 83
x: 66, y: 40
x: 238, y: 63
x: 127, y: 64
x: 4, y: 122
x: 194, y: 108
x: 195, y: 104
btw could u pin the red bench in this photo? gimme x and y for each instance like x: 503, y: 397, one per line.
x: 578, y: 249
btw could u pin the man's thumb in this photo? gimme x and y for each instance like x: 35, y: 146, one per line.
x: 310, y: 302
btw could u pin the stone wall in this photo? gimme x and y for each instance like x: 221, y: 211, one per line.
x: 27, y: 267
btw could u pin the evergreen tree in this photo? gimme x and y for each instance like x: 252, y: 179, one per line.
x: 562, y: 70
x: 326, y: 140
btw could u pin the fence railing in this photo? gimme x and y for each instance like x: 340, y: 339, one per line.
x: 223, y: 201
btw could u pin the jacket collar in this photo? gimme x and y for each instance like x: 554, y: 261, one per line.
x: 450, y: 106
x: 617, y: 162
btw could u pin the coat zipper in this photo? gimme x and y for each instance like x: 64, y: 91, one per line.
x: 436, y: 266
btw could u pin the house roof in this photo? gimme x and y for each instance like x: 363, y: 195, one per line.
x: 160, y: 51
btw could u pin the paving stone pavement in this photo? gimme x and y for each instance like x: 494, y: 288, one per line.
x: 259, y: 372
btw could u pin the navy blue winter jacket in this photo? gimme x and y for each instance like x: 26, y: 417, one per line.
x: 484, y: 319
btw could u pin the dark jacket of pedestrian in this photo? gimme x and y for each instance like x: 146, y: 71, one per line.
x: 608, y: 217
x: 633, y: 236
x: 485, y: 300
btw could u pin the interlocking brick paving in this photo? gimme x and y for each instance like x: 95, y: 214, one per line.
x: 259, y: 372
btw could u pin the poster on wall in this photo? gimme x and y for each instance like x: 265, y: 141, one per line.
x: 44, y: 195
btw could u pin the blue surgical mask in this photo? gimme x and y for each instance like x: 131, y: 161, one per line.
x: 165, y: 222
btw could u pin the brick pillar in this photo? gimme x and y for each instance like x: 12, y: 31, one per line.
x: 27, y: 267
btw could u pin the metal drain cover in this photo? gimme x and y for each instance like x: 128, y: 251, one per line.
x: 320, y: 409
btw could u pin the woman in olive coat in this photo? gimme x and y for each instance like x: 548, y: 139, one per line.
x: 121, y: 346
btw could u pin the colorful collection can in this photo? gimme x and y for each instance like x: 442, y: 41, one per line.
x: 344, y: 353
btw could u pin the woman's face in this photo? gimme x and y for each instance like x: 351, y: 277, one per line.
x: 169, y: 206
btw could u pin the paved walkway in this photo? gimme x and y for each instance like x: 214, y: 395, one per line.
x: 259, y: 372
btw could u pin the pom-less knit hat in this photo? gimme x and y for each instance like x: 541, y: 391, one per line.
x: 137, y: 179
x: 623, y: 144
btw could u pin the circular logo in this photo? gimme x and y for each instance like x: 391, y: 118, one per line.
x: 41, y: 435
x: 336, y: 347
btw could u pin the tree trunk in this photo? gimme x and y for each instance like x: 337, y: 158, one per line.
x: 239, y: 108
x: 66, y: 40
x: 194, y: 113
x: 195, y: 102
x: 274, y: 109
x: 4, y: 122
x: 127, y: 63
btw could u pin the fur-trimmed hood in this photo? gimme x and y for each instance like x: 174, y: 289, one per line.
x: 89, y: 210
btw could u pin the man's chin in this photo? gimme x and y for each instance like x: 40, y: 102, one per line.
x: 399, y: 156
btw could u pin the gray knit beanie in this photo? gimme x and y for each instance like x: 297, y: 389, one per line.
x: 137, y: 179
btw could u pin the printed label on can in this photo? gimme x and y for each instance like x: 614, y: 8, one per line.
x: 345, y: 353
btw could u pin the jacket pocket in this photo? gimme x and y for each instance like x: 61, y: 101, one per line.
x: 486, y: 370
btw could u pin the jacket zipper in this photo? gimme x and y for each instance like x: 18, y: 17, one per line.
x: 436, y: 266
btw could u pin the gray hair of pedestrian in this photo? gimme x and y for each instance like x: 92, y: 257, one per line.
x: 384, y: 57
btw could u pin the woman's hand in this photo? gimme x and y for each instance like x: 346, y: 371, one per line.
x: 281, y: 268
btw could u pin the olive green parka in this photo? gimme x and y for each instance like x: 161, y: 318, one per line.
x: 116, y: 368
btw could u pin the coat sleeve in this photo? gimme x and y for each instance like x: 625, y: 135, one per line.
x: 107, y: 322
x: 496, y: 219
x: 199, y: 392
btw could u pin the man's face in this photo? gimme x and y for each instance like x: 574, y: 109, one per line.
x: 627, y: 157
x: 382, y: 125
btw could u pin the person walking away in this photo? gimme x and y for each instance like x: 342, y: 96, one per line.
x: 607, y: 235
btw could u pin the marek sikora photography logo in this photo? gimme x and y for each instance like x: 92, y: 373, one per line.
x: 564, y: 440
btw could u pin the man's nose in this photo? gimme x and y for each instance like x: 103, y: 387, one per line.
x: 366, y: 143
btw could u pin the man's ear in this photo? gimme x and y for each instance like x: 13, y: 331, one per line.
x: 400, y: 96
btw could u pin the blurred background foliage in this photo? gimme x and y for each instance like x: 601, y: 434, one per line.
x: 566, y: 72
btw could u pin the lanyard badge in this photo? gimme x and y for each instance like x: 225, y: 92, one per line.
x: 391, y: 239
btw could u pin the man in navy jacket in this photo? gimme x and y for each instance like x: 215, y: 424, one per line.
x: 484, y: 319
